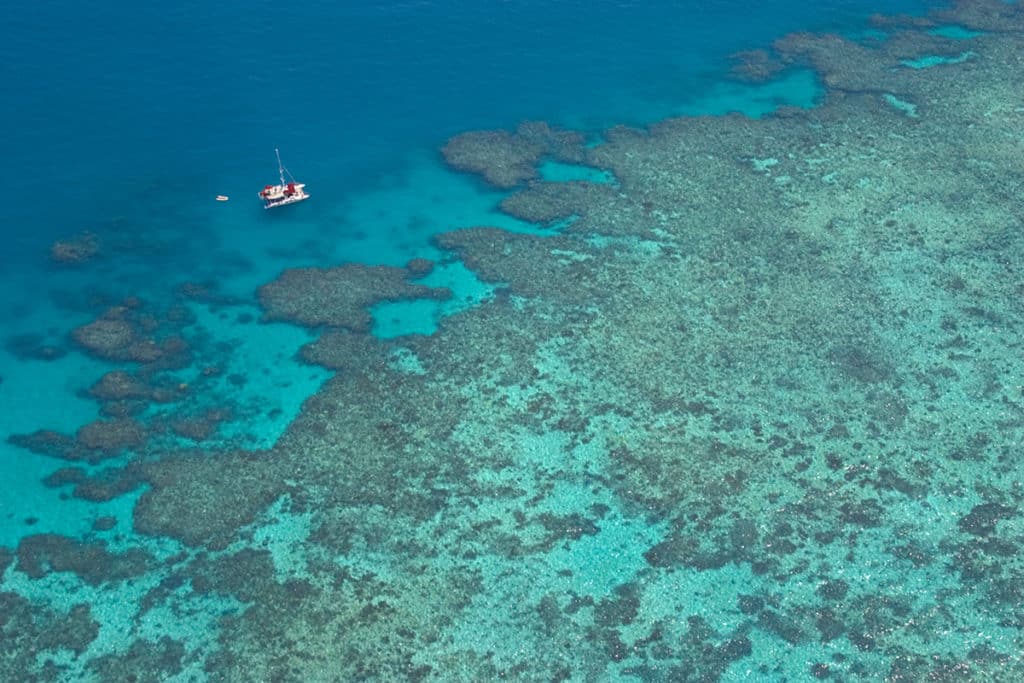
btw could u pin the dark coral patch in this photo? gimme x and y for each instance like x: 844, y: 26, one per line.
x: 754, y: 66
x: 94, y: 442
x: 107, y: 484
x: 33, y: 347
x: 546, y: 203
x: 339, y: 297
x: 29, y: 630
x: 833, y: 589
x: 861, y: 364
x: 204, y: 501
x: 619, y: 610
x: 65, y: 476
x: 508, y: 159
x: 105, y: 523
x: 118, y: 385
x: 344, y: 350
x: 982, y: 519
x: 75, y: 251
x: 42, y: 554
x: 867, y: 513
x: 418, y: 267
x: 109, y: 438
x: 145, y: 660
x: 47, y: 442
x: 246, y: 574
x: 201, y: 426
x: 126, y: 333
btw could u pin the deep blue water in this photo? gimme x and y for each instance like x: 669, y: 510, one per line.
x: 199, y: 94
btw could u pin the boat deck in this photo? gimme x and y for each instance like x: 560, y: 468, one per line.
x: 279, y: 195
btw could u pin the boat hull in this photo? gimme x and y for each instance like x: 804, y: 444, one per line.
x: 282, y: 195
x: 274, y: 203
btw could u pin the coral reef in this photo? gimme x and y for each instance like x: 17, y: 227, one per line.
x: 339, y: 297
x: 47, y: 442
x: 113, y: 339
x: 342, y: 350
x: 42, y: 554
x: 509, y: 159
x: 226, y: 492
x: 33, y: 347
x: 26, y: 630
x: 752, y: 412
x: 199, y: 427
x: 160, y: 660
x: 99, y: 486
x: 118, y: 385
x: 753, y: 382
x: 755, y: 66
x: 76, y: 251
x: 108, y: 438
x: 124, y: 333
x: 418, y: 267
x: 107, y: 484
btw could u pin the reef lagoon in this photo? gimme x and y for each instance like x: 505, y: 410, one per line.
x: 635, y: 341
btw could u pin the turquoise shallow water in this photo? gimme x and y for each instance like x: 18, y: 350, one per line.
x: 135, y: 128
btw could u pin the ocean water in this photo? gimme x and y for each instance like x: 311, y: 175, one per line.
x: 515, y: 474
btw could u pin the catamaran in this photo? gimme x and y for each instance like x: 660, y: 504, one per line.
x: 287, y: 192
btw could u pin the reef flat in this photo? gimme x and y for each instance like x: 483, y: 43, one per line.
x: 752, y: 409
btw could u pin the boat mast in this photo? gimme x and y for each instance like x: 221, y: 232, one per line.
x: 280, y: 166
